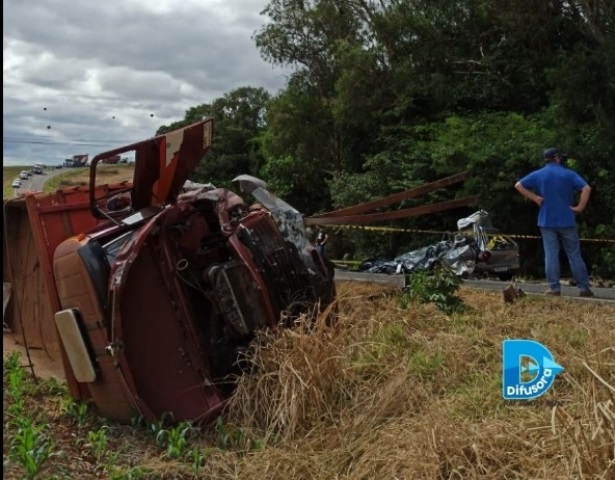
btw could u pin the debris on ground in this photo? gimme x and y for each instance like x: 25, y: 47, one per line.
x: 512, y: 293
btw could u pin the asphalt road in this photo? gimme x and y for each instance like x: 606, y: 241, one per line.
x: 601, y: 294
x: 35, y: 182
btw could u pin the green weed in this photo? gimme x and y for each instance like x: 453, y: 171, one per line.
x: 235, y: 438
x: 97, y: 440
x: 175, y: 439
x: 11, y: 363
x: 53, y: 387
x: 77, y: 411
x: 438, y: 286
x: 425, y: 365
x: 31, y: 446
x: 198, y: 456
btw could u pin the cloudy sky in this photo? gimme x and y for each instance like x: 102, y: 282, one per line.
x: 83, y: 77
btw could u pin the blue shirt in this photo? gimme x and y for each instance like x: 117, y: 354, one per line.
x: 557, y: 185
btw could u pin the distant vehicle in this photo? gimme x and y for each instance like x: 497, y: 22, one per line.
x: 112, y: 160
x: 16, y: 183
x: 59, y: 165
x: 24, y: 175
x: 76, y: 161
x: 29, y: 172
x: 38, y: 170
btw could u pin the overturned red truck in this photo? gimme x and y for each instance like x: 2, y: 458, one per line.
x: 159, y: 298
x: 153, y: 289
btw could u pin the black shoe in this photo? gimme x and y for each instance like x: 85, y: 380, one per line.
x: 586, y: 293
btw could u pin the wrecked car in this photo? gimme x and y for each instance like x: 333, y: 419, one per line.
x: 477, y: 249
x: 497, y: 254
x: 159, y: 301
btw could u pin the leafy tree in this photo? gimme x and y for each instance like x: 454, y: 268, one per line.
x: 409, y: 91
x: 239, y: 117
x: 388, y: 94
x: 322, y: 124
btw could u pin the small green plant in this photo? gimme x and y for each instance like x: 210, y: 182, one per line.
x: 16, y: 391
x: 235, y: 439
x: 224, y: 438
x: 426, y: 364
x: 31, y: 446
x: 138, y: 421
x: 198, y: 456
x: 77, y: 411
x: 166, y: 419
x: 438, y: 286
x: 14, y: 377
x: 12, y: 362
x: 175, y: 439
x: 97, y: 441
x: 256, y: 445
x: 54, y: 387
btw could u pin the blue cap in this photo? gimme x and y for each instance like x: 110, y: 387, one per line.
x: 552, y: 152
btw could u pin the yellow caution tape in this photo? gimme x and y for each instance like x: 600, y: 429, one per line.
x: 443, y: 232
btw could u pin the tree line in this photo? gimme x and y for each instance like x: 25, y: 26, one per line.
x: 385, y: 95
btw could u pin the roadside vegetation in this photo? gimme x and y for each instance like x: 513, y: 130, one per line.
x: 70, y: 177
x: 8, y: 175
x: 402, y: 386
x: 78, y: 177
x: 384, y: 96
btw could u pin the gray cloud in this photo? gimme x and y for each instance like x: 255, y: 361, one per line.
x: 73, y: 65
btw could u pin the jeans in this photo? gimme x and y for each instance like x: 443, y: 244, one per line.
x: 569, y: 238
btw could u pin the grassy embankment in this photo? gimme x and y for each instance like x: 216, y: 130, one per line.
x: 394, y: 390
x: 81, y: 176
x: 70, y: 177
x: 8, y: 175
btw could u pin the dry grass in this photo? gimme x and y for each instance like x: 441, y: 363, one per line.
x: 388, y: 393
x: 392, y: 393
x: 81, y: 177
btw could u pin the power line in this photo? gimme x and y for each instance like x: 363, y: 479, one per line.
x: 42, y: 138
x: 33, y: 137
x: 68, y: 142
x: 57, y: 95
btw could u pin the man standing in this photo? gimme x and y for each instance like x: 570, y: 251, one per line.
x: 321, y: 240
x: 552, y: 188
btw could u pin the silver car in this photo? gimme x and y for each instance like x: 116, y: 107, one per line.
x: 498, y: 254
